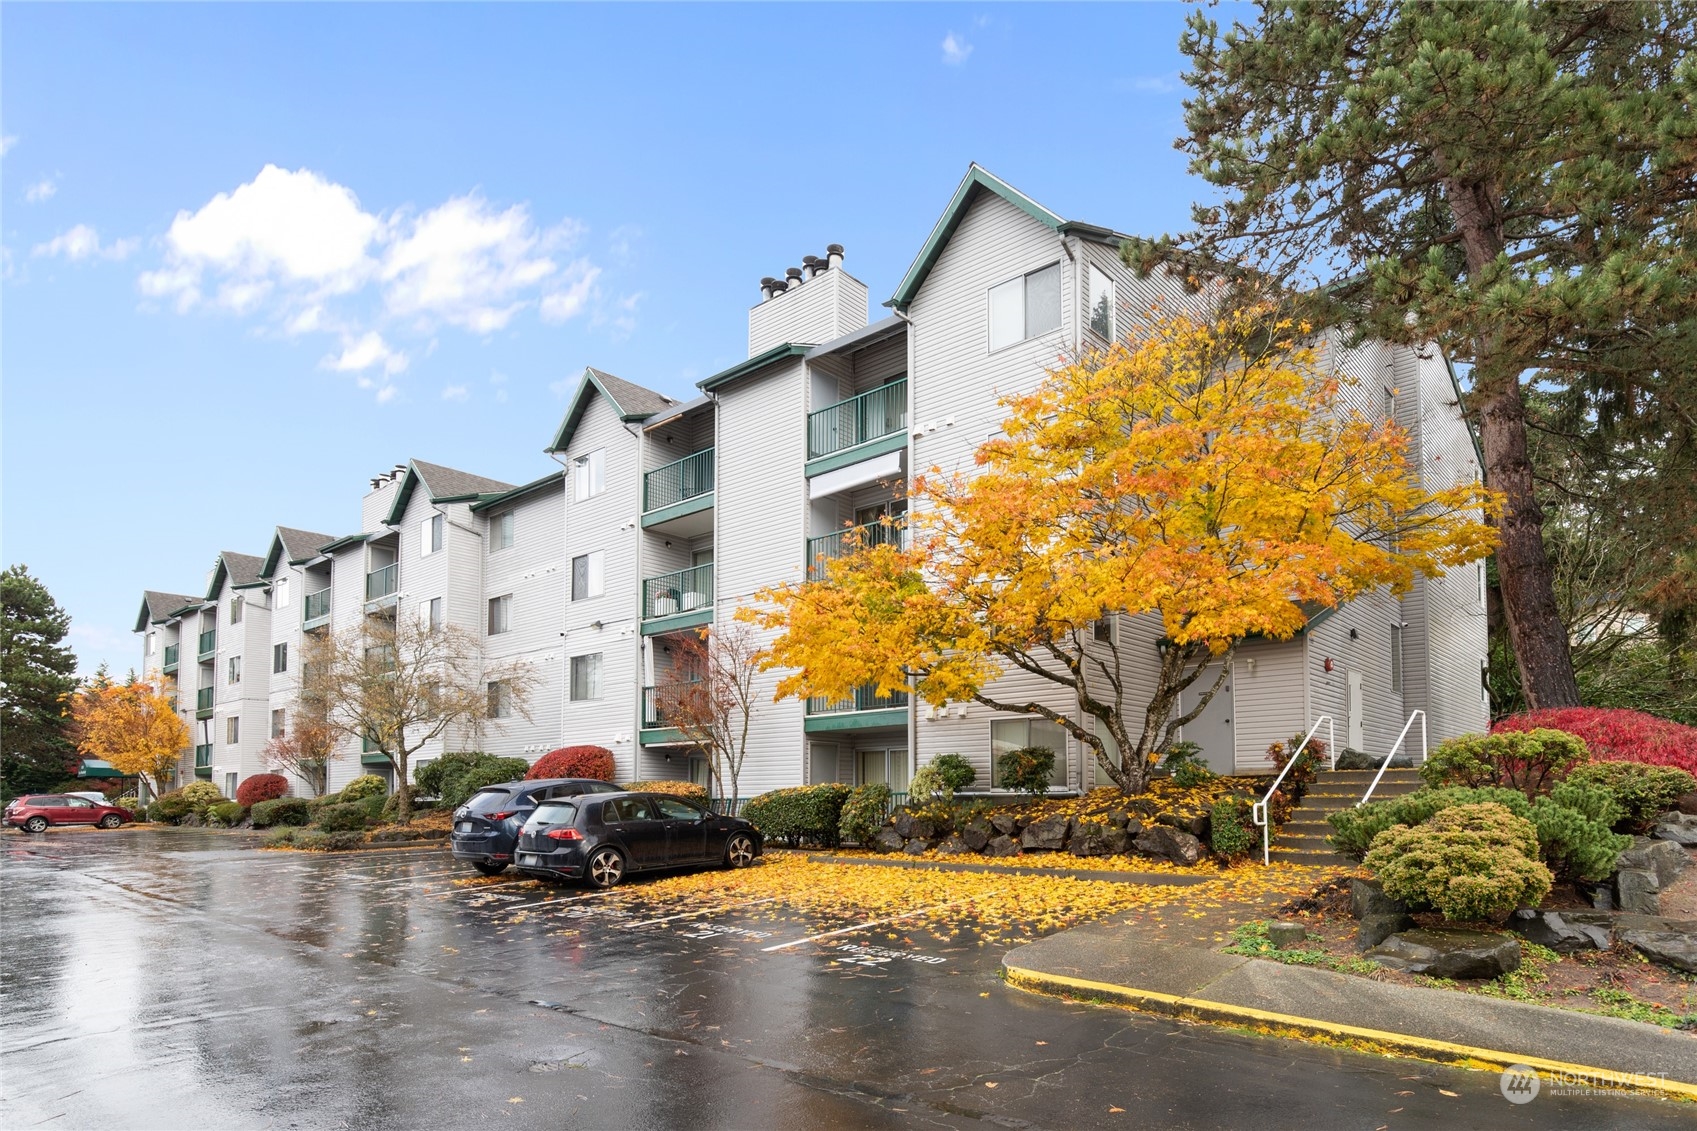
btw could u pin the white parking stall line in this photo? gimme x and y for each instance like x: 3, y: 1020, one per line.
x: 693, y: 914
x: 871, y: 923
x: 472, y: 889
x: 369, y: 880
x: 548, y: 902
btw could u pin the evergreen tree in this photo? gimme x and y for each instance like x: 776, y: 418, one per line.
x: 38, y: 675
x: 1513, y: 181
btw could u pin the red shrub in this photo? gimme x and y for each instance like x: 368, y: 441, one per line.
x: 574, y: 762
x: 262, y: 787
x: 1618, y: 735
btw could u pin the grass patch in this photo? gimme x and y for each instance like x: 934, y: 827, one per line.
x: 1251, y: 940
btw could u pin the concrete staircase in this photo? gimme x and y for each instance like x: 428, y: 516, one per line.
x: 1302, y: 839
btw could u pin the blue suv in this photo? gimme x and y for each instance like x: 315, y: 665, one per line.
x: 486, y: 827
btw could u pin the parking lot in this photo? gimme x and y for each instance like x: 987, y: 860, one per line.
x: 167, y: 978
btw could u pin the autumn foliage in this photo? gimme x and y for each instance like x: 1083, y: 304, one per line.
x: 262, y: 787
x: 1616, y: 735
x: 574, y: 762
x: 132, y: 726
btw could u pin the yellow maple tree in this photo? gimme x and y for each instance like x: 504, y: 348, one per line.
x: 1205, y: 474
x: 131, y: 725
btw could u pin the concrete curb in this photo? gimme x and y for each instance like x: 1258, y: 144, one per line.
x: 1333, y: 1033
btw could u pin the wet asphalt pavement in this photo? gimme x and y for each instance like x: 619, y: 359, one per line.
x: 170, y: 979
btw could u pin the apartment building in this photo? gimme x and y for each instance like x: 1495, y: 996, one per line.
x: 665, y: 516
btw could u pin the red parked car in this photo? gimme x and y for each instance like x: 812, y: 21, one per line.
x: 35, y: 811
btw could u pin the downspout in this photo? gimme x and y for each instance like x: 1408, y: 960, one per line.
x: 565, y: 603
x: 907, y: 488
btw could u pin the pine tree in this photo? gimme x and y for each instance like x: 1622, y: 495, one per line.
x: 38, y: 673
x: 1513, y: 181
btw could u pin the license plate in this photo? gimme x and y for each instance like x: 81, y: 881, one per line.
x: 529, y: 858
x: 463, y: 827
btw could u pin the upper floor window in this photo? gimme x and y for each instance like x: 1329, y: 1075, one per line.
x: 589, y: 474
x: 281, y: 589
x: 152, y: 643
x: 1025, y: 307
x: 433, y: 614
x: 587, y: 575
x: 586, y: 677
x: 280, y: 657
x: 236, y: 610
x: 501, y: 531
x: 235, y: 670
x: 1099, y: 303
x: 430, y: 533
x: 279, y: 722
x: 500, y: 614
x: 500, y: 700
x: 233, y: 729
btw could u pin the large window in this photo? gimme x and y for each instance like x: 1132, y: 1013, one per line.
x: 501, y: 531
x: 281, y: 589
x: 233, y: 729
x: 236, y: 610
x: 1025, y: 307
x: 279, y: 722
x: 885, y: 767
x: 587, y: 575
x: 500, y: 700
x: 1099, y: 303
x: 500, y: 614
x: 280, y: 657
x: 1012, y: 734
x: 586, y: 677
x: 589, y: 474
x: 433, y: 614
x: 430, y: 534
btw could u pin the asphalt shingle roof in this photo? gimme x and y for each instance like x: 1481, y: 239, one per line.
x: 446, y: 483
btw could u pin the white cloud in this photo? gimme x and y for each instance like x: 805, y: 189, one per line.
x: 387, y: 393
x: 467, y: 264
x: 40, y: 191
x: 456, y: 393
x: 6, y: 143
x: 955, y: 49
x: 564, y: 305
x: 360, y: 354
x: 83, y: 242
x: 1148, y: 84
x: 499, y: 380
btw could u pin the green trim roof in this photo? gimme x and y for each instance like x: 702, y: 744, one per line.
x: 743, y: 368
x: 977, y: 179
x: 157, y: 607
x: 632, y: 402
x: 445, y: 484
x: 489, y: 501
x: 241, y: 569
x: 343, y: 543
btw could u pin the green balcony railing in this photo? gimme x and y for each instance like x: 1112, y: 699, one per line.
x: 839, y: 542
x: 203, y: 700
x: 679, y: 480
x: 316, y: 609
x: 208, y: 644
x: 382, y: 582
x: 872, y: 415
x: 863, y: 699
x: 684, y: 591
x: 172, y: 651
x: 664, y: 704
x: 203, y: 757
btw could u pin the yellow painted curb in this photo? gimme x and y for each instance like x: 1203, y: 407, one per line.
x: 1348, y: 1036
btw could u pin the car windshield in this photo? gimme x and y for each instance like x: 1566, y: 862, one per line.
x: 486, y: 801
x: 551, y: 815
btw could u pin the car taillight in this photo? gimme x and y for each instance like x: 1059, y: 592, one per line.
x: 563, y: 834
x: 501, y: 816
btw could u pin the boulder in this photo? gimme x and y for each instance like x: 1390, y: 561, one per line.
x: 1048, y: 834
x: 1098, y: 840
x: 1355, y: 760
x: 1686, y: 802
x: 1449, y: 952
x: 1168, y: 843
x: 1285, y: 935
x: 887, y: 839
x: 1663, y: 857
x: 1118, y: 818
x: 1002, y: 846
x: 1639, y: 890
x: 1005, y: 824
x: 1196, y: 824
x: 1680, y: 828
x: 976, y: 836
x: 1142, y: 807
x: 953, y: 845
x: 1367, y: 897
x: 1677, y: 949
x: 1375, y: 929
x: 1554, y: 930
x: 918, y: 846
x: 908, y: 826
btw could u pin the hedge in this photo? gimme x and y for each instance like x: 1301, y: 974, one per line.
x: 346, y: 816
x: 863, y: 813
x: 685, y: 789
x: 293, y: 811
x: 366, y: 785
x: 458, y: 774
x: 801, y: 813
x: 574, y: 762
x: 1644, y: 792
x: 1469, y: 862
x: 225, y: 814
x: 1617, y: 735
x: 262, y: 787
x: 1531, y: 761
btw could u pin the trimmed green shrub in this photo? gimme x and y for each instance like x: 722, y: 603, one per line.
x: 366, y: 785
x: 1576, y: 846
x: 458, y: 774
x: 1353, y: 830
x: 170, y: 808
x: 684, y: 789
x: 201, y: 796
x: 374, y: 807
x: 957, y: 772
x: 574, y: 762
x: 927, y: 786
x: 1231, y: 828
x: 283, y: 811
x: 1643, y: 792
x: 348, y: 816
x: 800, y: 813
x: 225, y: 814
x: 281, y: 837
x: 1027, y: 769
x: 1531, y: 761
x: 131, y: 802
x: 308, y: 841
x: 863, y: 813
x: 1468, y: 862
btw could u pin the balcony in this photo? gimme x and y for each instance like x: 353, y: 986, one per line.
x: 838, y: 543
x: 867, y: 425
x: 683, y: 599
x: 208, y: 646
x: 203, y: 700
x: 172, y: 651
x: 663, y: 704
x: 677, y: 491
x: 203, y: 761
x: 316, y: 610
x: 862, y: 710
x: 382, y: 587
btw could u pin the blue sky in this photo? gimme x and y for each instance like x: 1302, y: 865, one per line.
x: 256, y: 254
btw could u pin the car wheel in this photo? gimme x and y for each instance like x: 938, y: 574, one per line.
x: 110, y: 821
x: 36, y: 824
x: 739, y: 851
x: 605, y: 868
x: 488, y: 869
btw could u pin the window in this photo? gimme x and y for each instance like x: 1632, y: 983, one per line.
x: 229, y: 785
x: 152, y: 643
x: 279, y: 657
x: 500, y: 700
x: 235, y: 670
x: 587, y: 575
x: 887, y: 767
x: 586, y: 677
x: 236, y: 610
x: 233, y: 729
x: 1390, y: 405
x: 1025, y: 307
x: 279, y: 722
x: 433, y: 614
x: 589, y: 474
x: 1099, y: 303
x: 500, y: 614
x: 501, y: 531
x: 1103, y: 629
x: 430, y: 533
x: 1012, y: 734
x: 281, y: 589
x: 1396, y: 658
x: 1482, y: 583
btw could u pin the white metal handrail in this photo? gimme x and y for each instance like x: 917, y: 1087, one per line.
x: 1258, y: 812
x: 1385, y: 765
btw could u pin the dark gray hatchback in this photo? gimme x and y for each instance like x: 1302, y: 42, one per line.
x: 486, y: 826
x: 600, y: 839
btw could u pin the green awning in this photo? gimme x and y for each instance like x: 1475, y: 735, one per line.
x: 97, y: 768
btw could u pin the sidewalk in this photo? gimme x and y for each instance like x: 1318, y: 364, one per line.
x: 1118, y: 963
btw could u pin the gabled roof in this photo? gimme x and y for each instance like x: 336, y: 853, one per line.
x: 291, y: 546
x: 443, y: 484
x: 157, y: 607
x: 489, y: 502
x: 241, y: 569
x: 741, y: 368
x: 632, y: 403
x: 344, y: 542
x: 979, y: 180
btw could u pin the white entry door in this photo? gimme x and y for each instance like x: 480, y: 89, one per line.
x: 1212, y: 729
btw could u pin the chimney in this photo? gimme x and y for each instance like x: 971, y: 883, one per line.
x: 833, y: 257
x: 832, y: 303
x: 400, y: 470
x: 813, y: 265
x: 768, y: 286
x: 792, y: 278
